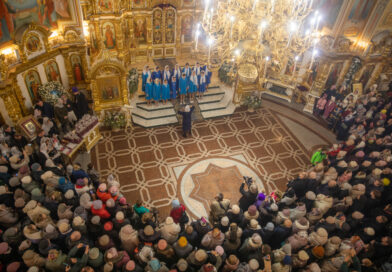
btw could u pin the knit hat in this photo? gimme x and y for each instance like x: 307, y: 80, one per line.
x: 253, y: 264
x: 287, y: 223
x: 318, y: 252
x: 97, y: 204
x: 162, y: 244
x: 13, y: 267
x: 69, y: 194
x: 78, y: 221
x: 176, y: 203
x: 274, y: 207
x: 122, y: 201
x: 50, y: 228
x: 255, y: 240
x: 130, y: 266
x: 303, y: 256
x: 155, y: 264
x: 182, y: 265
x: 252, y: 210
x: 14, y: 181
x: 110, y: 203
x: 95, y: 219
x: 108, y: 226
x: 253, y: 224
x: 148, y: 230
x: 169, y: 220
x: 225, y: 221
x: 182, y: 241
x: 219, y: 250
x: 104, y: 240
x: 19, y: 202
x: 235, y: 209
x: 119, y: 216
x: 200, y: 255
x: 93, y: 253
x: 270, y: 226
x: 26, y: 180
x: 102, y: 187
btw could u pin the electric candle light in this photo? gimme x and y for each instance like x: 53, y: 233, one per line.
x: 209, y: 42
x: 295, y: 64
x: 212, y: 13
x: 314, y: 53
x: 232, y: 18
x: 265, y: 65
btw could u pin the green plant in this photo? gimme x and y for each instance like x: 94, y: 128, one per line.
x: 252, y: 101
x: 114, y: 120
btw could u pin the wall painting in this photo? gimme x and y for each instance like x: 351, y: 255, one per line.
x: 33, y: 81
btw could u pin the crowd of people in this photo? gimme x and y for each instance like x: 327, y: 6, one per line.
x: 334, y: 217
x: 169, y: 84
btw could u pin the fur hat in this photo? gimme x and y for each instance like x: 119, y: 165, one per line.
x: 310, y: 195
x: 253, y: 224
x: 26, y: 180
x: 255, y: 240
x: 235, y: 209
x: 97, y: 204
x: 303, y: 256
x: 182, y: 265
x: 253, y: 264
x: 69, y: 194
x: 274, y: 207
x: 78, y: 221
x: 200, y: 255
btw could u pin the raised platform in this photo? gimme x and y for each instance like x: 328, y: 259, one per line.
x: 217, y: 102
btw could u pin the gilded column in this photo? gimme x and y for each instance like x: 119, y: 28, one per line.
x: 12, y: 105
x: 68, y: 68
x: 346, y: 66
x: 376, y: 73
x: 20, y: 98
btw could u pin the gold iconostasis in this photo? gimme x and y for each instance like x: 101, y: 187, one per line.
x: 92, y: 44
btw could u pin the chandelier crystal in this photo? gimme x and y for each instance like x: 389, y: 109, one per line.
x: 261, y: 31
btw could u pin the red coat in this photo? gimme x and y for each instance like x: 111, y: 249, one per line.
x: 177, y: 213
x: 102, y: 212
x: 104, y: 196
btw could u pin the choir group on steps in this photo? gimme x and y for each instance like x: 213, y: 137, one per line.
x: 169, y: 84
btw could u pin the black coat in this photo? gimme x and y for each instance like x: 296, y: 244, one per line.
x: 281, y: 233
x: 80, y: 105
x: 247, y: 198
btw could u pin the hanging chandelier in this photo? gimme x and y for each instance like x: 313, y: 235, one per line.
x: 263, y: 32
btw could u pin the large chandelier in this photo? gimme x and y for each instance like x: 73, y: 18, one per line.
x: 263, y: 32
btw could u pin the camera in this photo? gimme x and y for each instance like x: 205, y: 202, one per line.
x: 248, y: 180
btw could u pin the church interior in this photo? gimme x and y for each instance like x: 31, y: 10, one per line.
x: 195, y: 135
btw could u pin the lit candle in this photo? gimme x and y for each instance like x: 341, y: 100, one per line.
x: 265, y: 66
x: 212, y: 13
x: 210, y: 41
x: 197, y: 38
x: 254, y: 5
x: 232, y: 18
x: 295, y: 64
x: 263, y: 25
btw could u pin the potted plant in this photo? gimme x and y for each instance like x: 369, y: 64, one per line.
x: 253, y: 102
x: 114, y: 120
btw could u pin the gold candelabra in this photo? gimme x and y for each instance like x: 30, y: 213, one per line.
x: 270, y: 34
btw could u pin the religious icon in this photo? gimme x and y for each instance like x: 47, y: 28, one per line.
x: 186, y: 28
x: 76, y: 63
x: 157, y: 22
x: 52, y: 71
x: 93, y: 38
x: 170, y: 36
x: 140, y: 29
x: 109, y: 35
x: 334, y: 75
x: 109, y: 88
x: 105, y: 5
x: 33, y: 43
x: 33, y: 81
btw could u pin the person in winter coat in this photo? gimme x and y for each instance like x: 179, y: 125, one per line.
x: 248, y: 197
x: 129, y: 238
x: 178, y: 212
x: 182, y: 247
x: 231, y: 263
x: 249, y: 246
x: 55, y: 260
x: 165, y: 252
x: 170, y: 230
x: 219, y: 207
x: 95, y: 258
x: 212, y: 239
x: 98, y: 208
x: 232, y: 239
x: 191, y: 235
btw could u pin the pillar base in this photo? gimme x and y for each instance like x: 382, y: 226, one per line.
x: 311, y: 99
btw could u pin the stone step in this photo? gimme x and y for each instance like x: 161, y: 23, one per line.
x: 153, y: 107
x: 148, y: 115
x: 212, y: 98
x: 154, y: 122
x: 229, y: 110
x: 216, y: 106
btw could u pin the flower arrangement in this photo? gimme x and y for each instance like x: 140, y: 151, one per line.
x: 133, y: 80
x: 114, y: 120
x: 253, y: 101
x: 51, y: 91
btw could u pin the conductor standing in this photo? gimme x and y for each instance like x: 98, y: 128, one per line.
x: 186, y: 120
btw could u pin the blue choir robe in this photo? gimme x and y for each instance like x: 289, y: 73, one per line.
x: 156, y: 74
x: 149, y: 92
x: 157, y: 92
x: 145, y: 75
x: 165, y: 92
x: 166, y: 75
x: 177, y: 74
x: 173, y: 89
x: 193, y: 84
x: 208, y: 74
x: 203, y: 83
x: 198, y: 72
x: 188, y: 72
x: 183, y: 85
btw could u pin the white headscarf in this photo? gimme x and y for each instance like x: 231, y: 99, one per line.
x: 187, y: 108
x: 194, y: 79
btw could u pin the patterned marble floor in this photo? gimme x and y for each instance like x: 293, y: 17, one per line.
x: 157, y: 165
